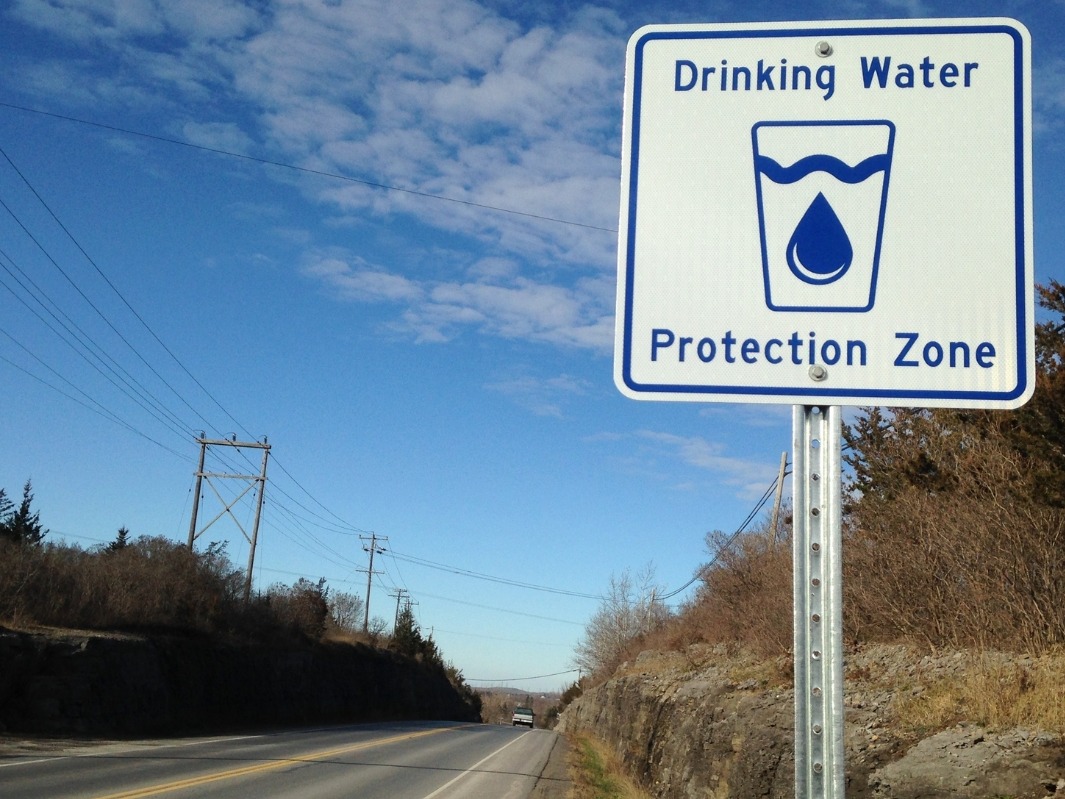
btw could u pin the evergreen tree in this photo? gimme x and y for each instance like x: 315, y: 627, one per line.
x: 22, y: 526
x: 407, y: 637
x: 6, y: 506
x: 121, y: 540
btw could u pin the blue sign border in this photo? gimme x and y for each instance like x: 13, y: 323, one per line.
x: 814, y: 393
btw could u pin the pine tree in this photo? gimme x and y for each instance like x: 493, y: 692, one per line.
x: 121, y: 540
x: 407, y: 637
x: 6, y: 506
x: 22, y: 526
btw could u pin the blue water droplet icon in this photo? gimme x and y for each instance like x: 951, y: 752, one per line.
x: 819, y: 250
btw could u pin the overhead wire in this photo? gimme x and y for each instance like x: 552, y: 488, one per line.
x: 490, y: 578
x: 522, y: 679
x: 135, y: 390
x: 310, y: 171
x: 124, y: 301
x: 101, y: 410
x: 104, y: 317
x: 84, y: 347
x: 701, y: 571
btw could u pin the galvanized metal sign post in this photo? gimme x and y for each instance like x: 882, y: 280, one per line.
x: 823, y: 214
x: 818, y: 604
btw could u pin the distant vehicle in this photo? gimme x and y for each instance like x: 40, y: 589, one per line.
x: 524, y: 716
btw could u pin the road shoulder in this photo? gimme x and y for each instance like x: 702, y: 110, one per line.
x: 554, y: 781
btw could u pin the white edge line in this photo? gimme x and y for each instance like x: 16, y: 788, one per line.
x: 451, y: 782
x: 29, y: 762
x: 94, y: 749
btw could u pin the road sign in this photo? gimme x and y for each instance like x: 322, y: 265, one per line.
x: 828, y: 213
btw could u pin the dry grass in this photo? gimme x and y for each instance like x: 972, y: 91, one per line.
x: 995, y: 694
x: 770, y: 672
x: 597, y: 774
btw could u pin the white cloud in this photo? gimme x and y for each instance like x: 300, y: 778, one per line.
x: 360, y: 281
x: 1049, y: 94
x: 749, y: 476
x: 218, y: 135
x: 543, y: 397
x: 497, y: 303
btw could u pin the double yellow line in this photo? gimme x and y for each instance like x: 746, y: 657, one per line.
x: 272, y: 765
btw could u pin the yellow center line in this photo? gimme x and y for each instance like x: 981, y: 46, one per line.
x: 272, y: 765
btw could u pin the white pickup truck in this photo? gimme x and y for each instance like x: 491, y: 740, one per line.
x: 524, y: 716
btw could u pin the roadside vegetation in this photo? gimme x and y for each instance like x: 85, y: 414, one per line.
x: 153, y: 584
x: 597, y: 774
x: 994, y: 693
x: 954, y: 539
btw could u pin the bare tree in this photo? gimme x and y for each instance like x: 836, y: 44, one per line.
x: 346, y: 611
x: 629, y: 609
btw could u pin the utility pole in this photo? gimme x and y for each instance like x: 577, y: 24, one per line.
x: 398, y: 594
x: 255, y: 480
x: 776, y: 501
x: 373, y: 549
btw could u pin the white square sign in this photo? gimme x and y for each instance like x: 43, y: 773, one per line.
x: 829, y: 213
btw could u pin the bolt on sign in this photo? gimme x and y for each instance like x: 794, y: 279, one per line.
x: 831, y: 213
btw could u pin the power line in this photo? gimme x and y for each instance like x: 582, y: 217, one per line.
x: 728, y: 542
x: 499, y: 610
x: 101, y: 410
x: 309, y: 171
x: 490, y: 578
x: 143, y: 391
x: 523, y: 679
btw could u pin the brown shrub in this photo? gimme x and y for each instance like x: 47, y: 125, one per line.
x: 151, y: 583
x: 972, y: 562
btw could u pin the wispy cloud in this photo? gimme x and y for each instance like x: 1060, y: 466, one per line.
x: 1049, y: 95
x: 542, y: 396
x: 354, y: 279
x: 749, y: 477
x: 493, y: 301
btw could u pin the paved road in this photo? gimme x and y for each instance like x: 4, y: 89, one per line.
x: 416, y: 760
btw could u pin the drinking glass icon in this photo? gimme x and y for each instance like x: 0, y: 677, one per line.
x: 822, y: 195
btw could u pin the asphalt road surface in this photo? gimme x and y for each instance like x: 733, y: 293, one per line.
x: 400, y: 760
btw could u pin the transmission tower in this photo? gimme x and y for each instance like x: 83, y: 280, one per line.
x: 227, y: 507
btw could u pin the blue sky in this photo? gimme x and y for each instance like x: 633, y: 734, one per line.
x: 437, y: 371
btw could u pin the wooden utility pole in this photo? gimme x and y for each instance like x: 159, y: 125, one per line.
x: 779, y: 494
x: 398, y: 594
x: 373, y: 548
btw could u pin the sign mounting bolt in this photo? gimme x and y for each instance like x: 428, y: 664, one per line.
x: 818, y: 372
x: 823, y: 49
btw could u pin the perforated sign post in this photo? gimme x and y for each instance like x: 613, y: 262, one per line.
x: 822, y: 214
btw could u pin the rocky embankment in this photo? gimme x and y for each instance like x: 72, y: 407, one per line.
x: 708, y: 724
x: 115, y: 684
